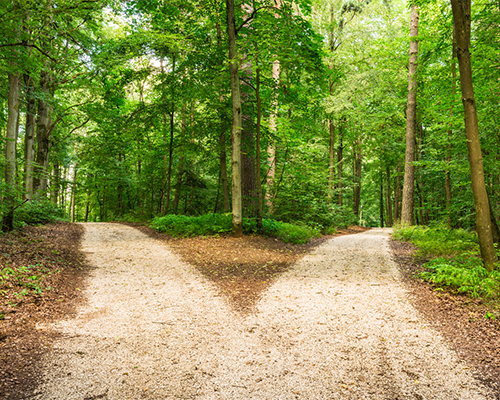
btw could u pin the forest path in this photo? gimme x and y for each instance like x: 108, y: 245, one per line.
x: 337, y: 325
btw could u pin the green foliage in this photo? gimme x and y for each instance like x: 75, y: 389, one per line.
x: 466, y: 274
x: 438, y: 241
x: 217, y: 224
x: 29, y: 278
x: 38, y: 212
x: 456, y: 260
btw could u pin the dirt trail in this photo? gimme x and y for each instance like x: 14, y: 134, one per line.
x: 338, y: 325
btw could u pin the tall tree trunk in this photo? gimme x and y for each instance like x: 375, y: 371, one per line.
x: 357, y: 162
x: 29, y: 138
x: 447, y: 178
x: 248, y: 173
x: 222, y: 139
x: 381, y: 202
x: 42, y: 137
x: 10, y: 152
x: 273, y: 128
x: 411, y: 120
x: 72, y: 206
x: 331, y: 162
x: 237, y: 119
x: 397, y: 195
x: 461, y: 22
x: 390, y: 222
x: 340, y: 166
x: 180, y: 169
x: 257, y: 144
x: 55, y: 184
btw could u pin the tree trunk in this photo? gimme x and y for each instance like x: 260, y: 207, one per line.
x: 10, y: 152
x: 397, y: 195
x: 180, y: 169
x: 55, y: 184
x: 42, y: 137
x: 447, y: 178
x: 73, y: 194
x: 236, y: 126
x: 358, y: 158
x: 390, y: 222
x: 340, y: 164
x: 222, y: 142
x: 273, y: 127
x: 331, y: 163
x: 257, y: 161
x: 248, y: 173
x: 411, y: 119
x: 29, y: 138
x: 461, y: 22
x: 381, y: 203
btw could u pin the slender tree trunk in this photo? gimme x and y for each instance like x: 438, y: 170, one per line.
x: 358, y: 158
x: 29, y: 138
x: 462, y: 25
x: 180, y: 169
x: 257, y: 145
x: 73, y: 194
x: 10, y: 152
x: 42, y: 137
x: 388, y: 197
x: 248, y: 173
x: 55, y: 184
x: 273, y: 128
x: 237, y: 122
x: 447, y: 178
x: 340, y: 164
x: 411, y: 119
x: 397, y: 195
x: 87, y: 207
x: 331, y: 163
x: 381, y: 203
x: 222, y: 141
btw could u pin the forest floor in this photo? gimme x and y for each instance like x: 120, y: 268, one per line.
x: 255, y: 318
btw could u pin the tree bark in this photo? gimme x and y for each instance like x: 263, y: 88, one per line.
x: 411, y: 119
x: 10, y: 152
x: 462, y: 25
x: 358, y: 158
x: 331, y: 163
x: 397, y: 195
x: 390, y: 222
x: 257, y: 147
x: 29, y: 138
x: 237, y: 122
x: 273, y: 127
x: 222, y: 142
x: 340, y: 166
x: 42, y: 137
x: 447, y: 177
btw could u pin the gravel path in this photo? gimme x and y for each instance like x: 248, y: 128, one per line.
x: 338, y: 325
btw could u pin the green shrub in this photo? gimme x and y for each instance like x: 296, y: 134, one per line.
x: 37, y: 212
x: 466, y: 274
x: 439, y: 241
x: 455, y: 259
x: 216, y: 224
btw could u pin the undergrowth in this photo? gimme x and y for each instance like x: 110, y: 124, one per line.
x: 455, y: 259
x: 221, y: 224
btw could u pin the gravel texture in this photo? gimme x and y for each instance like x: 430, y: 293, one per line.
x: 338, y: 325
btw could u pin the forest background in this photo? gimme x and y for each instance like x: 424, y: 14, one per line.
x: 123, y: 110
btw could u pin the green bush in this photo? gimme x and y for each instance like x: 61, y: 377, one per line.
x: 466, y: 274
x: 438, y: 241
x: 217, y: 224
x: 37, y: 212
x: 456, y: 260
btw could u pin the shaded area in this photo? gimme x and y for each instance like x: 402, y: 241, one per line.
x: 459, y: 318
x: 51, y: 252
x: 241, y: 268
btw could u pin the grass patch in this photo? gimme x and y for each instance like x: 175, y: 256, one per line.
x: 221, y: 224
x: 455, y: 259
